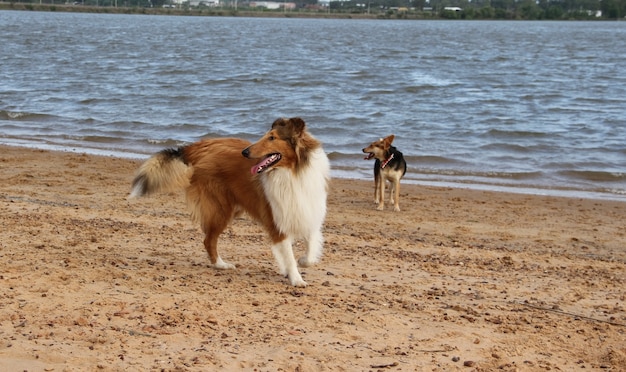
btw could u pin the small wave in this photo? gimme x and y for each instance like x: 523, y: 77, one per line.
x: 89, y: 121
x: 615, y: 191
x: 442, y: 58
x: 334, y: 155
x: 505, y: 147
x: 493, y: 101
x: 418, y: 89
x: 499, y: 133
x: 166, y: 142
x: 381, y: 91
x: 307, y: 84
x: 431, y: 159
x: 518, y: 176
x: 135, y: 124
x: 424, y: 80
x: 176, y: 72
x: 91, y: 101
x: 596, y: 101
x: 96, y: 139
x: 596, y: 176
x: 18, y: 115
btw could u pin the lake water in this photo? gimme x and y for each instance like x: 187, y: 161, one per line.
x: 535, y: 107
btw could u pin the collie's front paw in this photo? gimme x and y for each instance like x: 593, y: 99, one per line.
x: 297, y: 281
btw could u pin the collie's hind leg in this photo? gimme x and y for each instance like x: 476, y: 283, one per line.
x: 210, y: 244
x: 213, y: 225
x: 314, y: 246
x: 283, y: 252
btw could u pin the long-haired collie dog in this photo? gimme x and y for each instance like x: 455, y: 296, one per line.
x: 280, y: 181
x: 389, y: 166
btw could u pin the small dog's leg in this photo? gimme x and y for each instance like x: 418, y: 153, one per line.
x: 396, y: 197
x: 381, y: 193
x: 376, y: 193
x: 315, y: 244
x: 283, y: 252
x: 376, y: 186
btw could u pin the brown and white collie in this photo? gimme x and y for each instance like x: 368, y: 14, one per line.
x: 280, y: 181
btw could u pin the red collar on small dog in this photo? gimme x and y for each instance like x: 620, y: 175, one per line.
x: 384, y: 164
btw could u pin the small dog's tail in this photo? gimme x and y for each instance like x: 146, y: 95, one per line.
x: 164, y: 171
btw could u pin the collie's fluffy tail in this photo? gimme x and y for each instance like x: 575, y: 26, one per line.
x: 164, y: 171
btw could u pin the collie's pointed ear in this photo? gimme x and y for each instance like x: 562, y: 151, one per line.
x: 389, y: 139
x: 280, y: 122
x: 289, y: 128
x: 298, y: 125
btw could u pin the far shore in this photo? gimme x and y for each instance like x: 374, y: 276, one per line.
x: 205, y: 11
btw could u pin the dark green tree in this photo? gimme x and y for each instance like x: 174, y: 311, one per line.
x: 613, y: 9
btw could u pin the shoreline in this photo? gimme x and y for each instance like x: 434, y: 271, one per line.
x: 493, y: 187
x: 458, y: 280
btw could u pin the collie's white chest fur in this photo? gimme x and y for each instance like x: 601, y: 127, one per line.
x: 298, y: 200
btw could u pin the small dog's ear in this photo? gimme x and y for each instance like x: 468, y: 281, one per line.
x: 389, y: 139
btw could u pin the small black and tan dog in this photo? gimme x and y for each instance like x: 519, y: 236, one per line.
x: 389, y: 166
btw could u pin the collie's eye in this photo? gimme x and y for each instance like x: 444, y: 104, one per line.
x: 271, y: 138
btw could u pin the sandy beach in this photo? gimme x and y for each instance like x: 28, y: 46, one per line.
x: 458, y: 280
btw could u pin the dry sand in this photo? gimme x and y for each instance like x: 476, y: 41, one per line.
x: 458, y: 280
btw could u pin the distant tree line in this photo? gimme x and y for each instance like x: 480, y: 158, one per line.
x: 492, y: 9
x: 540, y: 9
x: 401, y: 9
